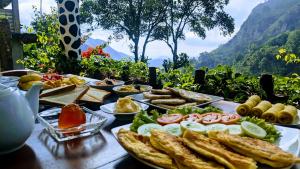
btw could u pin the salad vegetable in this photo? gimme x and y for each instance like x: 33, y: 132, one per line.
x: 272, y: 133
x: 142, y: 118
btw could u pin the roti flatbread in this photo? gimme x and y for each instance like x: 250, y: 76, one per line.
x: 161, y: 91
x: 175, y: 101
x: 151, y: 96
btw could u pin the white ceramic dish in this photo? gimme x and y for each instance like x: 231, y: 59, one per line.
x: 106, y: 87
x: 110, y: 109
x: 290, y: 141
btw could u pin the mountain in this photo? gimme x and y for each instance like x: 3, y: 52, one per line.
x: 96, y: 42
x: 266, y: 21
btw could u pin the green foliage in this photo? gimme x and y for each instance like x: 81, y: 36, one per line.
x: 46, y: 53
x: 223, y: 81
x: 289, y: 86
x: 101, y: 67
x: 142, y: 118
x: 181, y: 78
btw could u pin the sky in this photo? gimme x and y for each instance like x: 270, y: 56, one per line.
x: 192, y: 45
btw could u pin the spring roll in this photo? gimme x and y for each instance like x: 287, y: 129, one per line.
x: 287, y: 115
x: 271, y: 114
x: 245, y: 108
x: 261, y: 108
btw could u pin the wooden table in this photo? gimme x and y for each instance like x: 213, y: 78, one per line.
x: 100, y: 151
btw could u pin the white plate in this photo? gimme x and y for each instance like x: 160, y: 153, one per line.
x: 110, y: 108
x: 107, y: 87
x: 290, y: 142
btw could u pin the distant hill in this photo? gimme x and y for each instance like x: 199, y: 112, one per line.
x: 96, y: 42
x: 266, y: 21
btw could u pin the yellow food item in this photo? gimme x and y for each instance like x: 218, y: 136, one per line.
x: 214, y: 150
x: 245, y: 108
x: 287, y: 115
x: 27, y: 85
x: 76, y: 80
x: 271, y: 114
x: 173, y: 146
x: 261, y: 151
x: 126, y: 105
x: 143, y: 149
x: 261, y: 108
x: 128, y: 88
x: 30, y: 77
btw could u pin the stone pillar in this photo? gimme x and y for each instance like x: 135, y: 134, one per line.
x: 70, y: 28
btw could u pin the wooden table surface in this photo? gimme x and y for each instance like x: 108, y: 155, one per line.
x: 100, y: 151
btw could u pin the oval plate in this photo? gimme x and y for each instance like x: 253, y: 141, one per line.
x: 110, y: 109
x: 107, y: 87
x: 290, y: 142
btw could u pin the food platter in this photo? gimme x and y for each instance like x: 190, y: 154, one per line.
x: 230, y: 108
x: 105, y: 87
x: 290, y: 142
x: 140, y: 98
x: 110, y: 108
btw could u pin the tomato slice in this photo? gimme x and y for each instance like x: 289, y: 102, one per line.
x: 210, y: 118
x: 230, y: 118
x: 192, y: 117
x: 169, y: 119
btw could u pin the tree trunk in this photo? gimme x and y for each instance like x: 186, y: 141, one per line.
x: 136, y: 50
x: 175, y: 55
x: 143, y: 52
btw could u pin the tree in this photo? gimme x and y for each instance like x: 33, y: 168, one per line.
x: 46, y: 53
x: 134, y: 18
x: 196, y: 15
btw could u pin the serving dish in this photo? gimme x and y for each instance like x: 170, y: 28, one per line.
x: 290, y: 142
x: 105, y: 87
x: 230, y: 107
x: 140, y: 98
x: 49, y: 119
x: 110, y: 109
x: 144, y: 88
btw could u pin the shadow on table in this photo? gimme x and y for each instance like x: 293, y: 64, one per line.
x: 23, y: 158
x: 80, y: 147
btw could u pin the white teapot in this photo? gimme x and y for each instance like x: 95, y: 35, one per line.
x: 17, y: 116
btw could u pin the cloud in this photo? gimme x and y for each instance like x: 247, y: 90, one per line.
x: 192, y: 45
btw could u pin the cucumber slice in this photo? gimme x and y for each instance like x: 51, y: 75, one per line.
x: 235, y: 129
x: 253, y: 130
x: 173, y: 129
x: 193, y: 126
x: 216, y: 127
x: 146, y: 128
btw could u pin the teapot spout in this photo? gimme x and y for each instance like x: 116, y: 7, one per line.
x: 32, y: 97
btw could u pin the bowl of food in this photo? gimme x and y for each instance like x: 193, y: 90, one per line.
x: 126, y: 90
x: 106, y: 84
x: 124, y: 107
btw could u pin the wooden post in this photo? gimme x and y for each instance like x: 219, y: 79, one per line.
x: 267, y: 84
x: 199, y: 77
x: 153, y: 77
x: 5, y: 46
